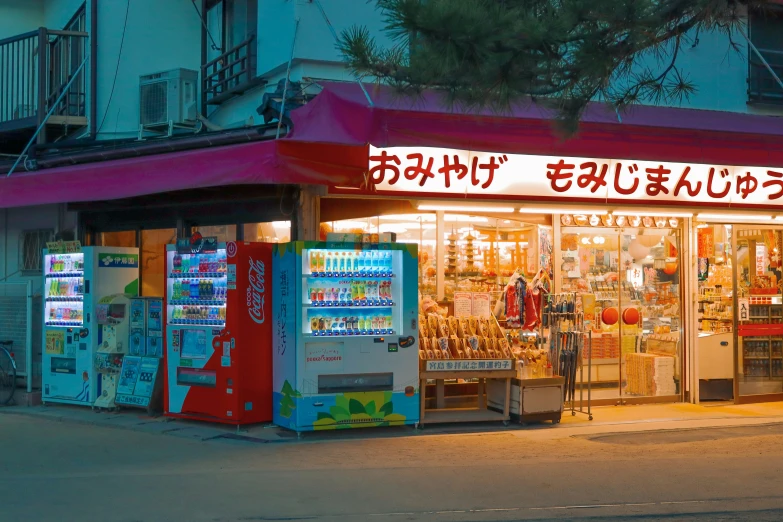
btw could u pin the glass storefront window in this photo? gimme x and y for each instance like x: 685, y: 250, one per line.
x: 222, y: 232
x: 759, y: 275
x: 633, y: 276
x: 153, y: 260
x: 480, y: 253
x: 270, y: 232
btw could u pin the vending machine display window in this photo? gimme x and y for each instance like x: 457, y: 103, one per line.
x: 194, y: 344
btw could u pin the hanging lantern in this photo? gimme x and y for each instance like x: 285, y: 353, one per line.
x: 638, y: 250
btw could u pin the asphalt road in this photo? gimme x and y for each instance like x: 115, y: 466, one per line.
x: 56, y: 471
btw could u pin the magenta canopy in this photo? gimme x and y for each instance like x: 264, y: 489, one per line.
x: 247, y: 163
x: 331, y: 134
x: 341, y: 114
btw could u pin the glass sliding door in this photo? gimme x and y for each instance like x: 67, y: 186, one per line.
x: 758, y: 312
x: 632, y: 275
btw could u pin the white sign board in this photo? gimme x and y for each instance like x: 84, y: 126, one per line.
x: 463, y: 304
x: 744, y: 308
x: 481, y: 306
x: 459, y: 172
x: 463, y: 365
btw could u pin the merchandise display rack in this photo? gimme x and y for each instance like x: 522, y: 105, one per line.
x: 450, y: 358
x: 567, y: 338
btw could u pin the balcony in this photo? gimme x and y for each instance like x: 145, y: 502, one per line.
x: 35, y: 67
x: 230, y: 74
x: 763, y: 88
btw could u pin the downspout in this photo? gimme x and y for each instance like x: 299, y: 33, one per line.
x: 287, y: 79
x: 94, y: 69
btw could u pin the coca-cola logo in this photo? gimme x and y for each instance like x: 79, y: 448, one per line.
x: 255, y: 291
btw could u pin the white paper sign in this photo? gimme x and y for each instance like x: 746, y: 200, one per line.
x: 463, y: 304
x: 744, y: 309
x: 481, y: 306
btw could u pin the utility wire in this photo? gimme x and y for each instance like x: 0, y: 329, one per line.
x: 215, y: 46
x: 116, y: 70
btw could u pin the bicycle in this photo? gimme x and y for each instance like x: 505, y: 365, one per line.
x: 7, y: 373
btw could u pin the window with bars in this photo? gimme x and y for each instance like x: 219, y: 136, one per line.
x: 766, y: 33
x: 31, y: 245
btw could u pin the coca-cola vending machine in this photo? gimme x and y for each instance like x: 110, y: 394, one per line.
x: 218, y: 331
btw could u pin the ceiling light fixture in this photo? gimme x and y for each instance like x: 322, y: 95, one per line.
x: 456, y: 208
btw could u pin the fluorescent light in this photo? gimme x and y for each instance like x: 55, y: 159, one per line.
x: 778, y: 218
x: 736, y: 217
x: 451, y: 208
x: 577, y: 211
x: 408, y: 217
x: 463, y: 218
x: 630, y: 213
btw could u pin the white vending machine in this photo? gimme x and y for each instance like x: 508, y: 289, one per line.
x: 345, y: 335
x: 75, y: 280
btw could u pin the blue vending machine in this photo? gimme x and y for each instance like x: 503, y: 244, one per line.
x: 345, y: 333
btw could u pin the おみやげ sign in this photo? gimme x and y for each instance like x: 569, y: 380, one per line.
x: 459, y: 172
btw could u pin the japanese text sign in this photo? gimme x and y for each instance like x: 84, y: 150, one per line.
x: 460, y: 172
x: 461, y: 365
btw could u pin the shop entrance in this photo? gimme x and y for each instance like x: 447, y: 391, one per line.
x: 633, y: 275
x: 758, y: 313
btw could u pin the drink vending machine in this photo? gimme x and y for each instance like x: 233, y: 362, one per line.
x: 345, y: 318
x: 218, y: 331
x: 76, y: 279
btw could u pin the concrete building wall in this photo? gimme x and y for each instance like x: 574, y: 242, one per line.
x: 159, y: 35
x: 20, y: 16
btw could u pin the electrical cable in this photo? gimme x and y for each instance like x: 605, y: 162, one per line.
x: 117, y: 69
x: 215, y: 46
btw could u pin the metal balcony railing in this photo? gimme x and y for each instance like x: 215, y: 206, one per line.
x: 35, y: 67
x: 762, y: 85
x: 229, y: 74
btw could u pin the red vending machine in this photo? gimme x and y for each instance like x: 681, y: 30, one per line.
x: 218, y: 331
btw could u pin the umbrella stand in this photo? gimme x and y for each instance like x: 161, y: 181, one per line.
x: 568, y: 338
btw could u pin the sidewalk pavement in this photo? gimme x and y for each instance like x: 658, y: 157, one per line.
x: 607, y: 419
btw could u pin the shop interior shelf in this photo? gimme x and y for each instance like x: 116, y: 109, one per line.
x: 333, y: 275
x: 196, y: 322
x: 375, y: 303
x: 351, y: 333
x: 197, y: 302
x: 65, y: 298
x: 197, y: 275
x: 58, y: 275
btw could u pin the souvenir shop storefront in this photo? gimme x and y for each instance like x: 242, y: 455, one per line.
x: 665, y: 240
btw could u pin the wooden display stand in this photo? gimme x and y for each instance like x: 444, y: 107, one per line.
x: 442, y: 370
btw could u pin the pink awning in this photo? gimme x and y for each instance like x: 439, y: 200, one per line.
x: 341, y: 115
x: 248, y: 163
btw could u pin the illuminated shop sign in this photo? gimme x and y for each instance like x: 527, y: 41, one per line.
x: 459, y: 173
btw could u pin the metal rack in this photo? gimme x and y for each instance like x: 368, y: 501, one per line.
x: 567, y: 338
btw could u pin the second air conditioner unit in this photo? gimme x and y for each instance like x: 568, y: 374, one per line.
x: 168, y: 96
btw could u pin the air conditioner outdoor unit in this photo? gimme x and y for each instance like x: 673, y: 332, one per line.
x: 168, y: 96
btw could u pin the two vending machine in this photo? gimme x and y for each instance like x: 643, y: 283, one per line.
x: 345, y: 317
x: 218, y: 311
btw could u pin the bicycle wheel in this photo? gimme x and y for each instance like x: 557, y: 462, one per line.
x: 7, y: 377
